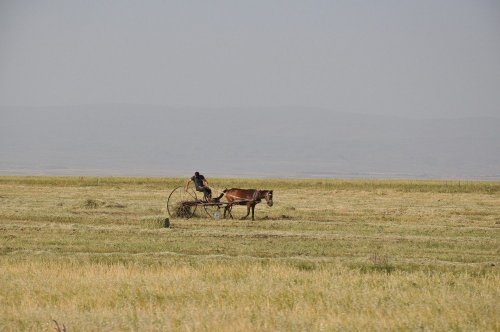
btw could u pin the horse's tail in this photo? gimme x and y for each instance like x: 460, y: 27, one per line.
x: 220, y: 196
x: 216, y: 199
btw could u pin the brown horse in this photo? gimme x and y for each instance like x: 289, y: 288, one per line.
x: 248, y: 197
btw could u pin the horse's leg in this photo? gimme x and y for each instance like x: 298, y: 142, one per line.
x: 227, y: 209
x: 248, y: 212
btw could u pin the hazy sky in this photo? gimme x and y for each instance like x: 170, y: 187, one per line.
x: 413, y: 58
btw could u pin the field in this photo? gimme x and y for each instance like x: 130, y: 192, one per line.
x: 93, y: 254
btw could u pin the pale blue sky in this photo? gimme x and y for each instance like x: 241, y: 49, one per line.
x: 436, y: 58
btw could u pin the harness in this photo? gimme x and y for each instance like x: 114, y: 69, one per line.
x: 255, y: 196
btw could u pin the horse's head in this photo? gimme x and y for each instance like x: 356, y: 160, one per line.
x: 268, y: 196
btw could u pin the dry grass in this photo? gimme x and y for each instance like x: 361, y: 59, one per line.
x: 92, y: 254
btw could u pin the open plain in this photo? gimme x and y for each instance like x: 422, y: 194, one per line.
x: 93, y: 254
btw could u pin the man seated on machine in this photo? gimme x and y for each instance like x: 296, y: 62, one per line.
x: 201, y: 185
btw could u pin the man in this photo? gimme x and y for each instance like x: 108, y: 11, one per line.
x: 201, y: 185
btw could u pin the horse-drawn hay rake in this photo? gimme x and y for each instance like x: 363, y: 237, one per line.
x: 184, y: 204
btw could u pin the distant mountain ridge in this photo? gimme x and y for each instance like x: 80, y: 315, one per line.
x: 296, y: 142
